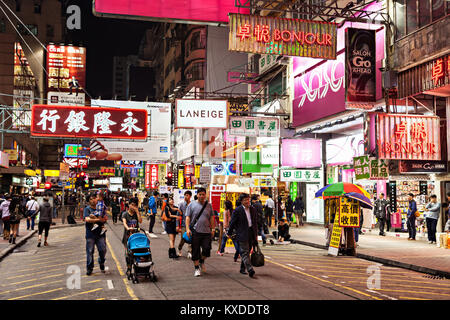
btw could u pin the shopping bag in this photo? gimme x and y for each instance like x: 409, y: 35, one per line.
x: 186, y: 238
x: 257, y: 257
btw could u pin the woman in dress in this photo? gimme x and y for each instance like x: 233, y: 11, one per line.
x: 173, y: 213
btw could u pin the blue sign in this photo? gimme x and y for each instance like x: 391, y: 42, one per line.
x: 163, y: 149
x: 59, y: 183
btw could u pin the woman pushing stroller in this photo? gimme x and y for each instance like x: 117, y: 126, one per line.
x: 131, y: 220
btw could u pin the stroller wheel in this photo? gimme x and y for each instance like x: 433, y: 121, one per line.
x: 135, y: 279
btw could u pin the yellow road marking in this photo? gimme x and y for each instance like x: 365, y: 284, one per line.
x: 393, y: 280
x: 416, y: 292
x: 55, y: 255
x: 30, y: 287
x: 30, y: 280
x: 410, y: 298
x: 125, y: 280
x: 35, y: 294
x: 401, y: 285
x: 53, y: 265
x: 322, y: 280
x: 77, y: 294
x: 101, y: 299
x: 31, y: 274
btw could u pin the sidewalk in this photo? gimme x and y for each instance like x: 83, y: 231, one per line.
x: 24, y: 234
x: 394, y: 249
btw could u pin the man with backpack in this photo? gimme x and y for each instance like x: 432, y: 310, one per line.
x: 200, y: 226
x: 152, y: 211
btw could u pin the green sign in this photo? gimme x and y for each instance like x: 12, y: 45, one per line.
x: 362, y: 167
x: 301, y: 175
x: 251, y: 163
x: 293, y: 190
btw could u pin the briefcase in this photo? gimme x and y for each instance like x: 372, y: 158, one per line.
x: 257, y: 257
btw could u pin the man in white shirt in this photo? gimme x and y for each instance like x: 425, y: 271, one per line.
x: 270, y: 205
x: 32, y: 207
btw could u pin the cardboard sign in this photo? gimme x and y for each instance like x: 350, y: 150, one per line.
x: 349, y: 213
x: 335, y: 239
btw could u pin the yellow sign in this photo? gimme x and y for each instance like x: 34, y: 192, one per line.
x: 38, y: 172
x: 197, y: 171
x: 64, y: 167
x: 223, y: 198
x: 12, y: 154
x: 180, y: 178
x: 335, y: 239
x: 349, y: 212
x: 51, y: 173
x: 30, y: 172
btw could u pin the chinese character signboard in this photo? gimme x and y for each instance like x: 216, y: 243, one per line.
x: 192, y: 114
x: 251, y: 163
x: 408, y: 137
x: 301, y: 175
x: 292, y: 37
x: 71, y: 121
x: 421, y: 166
x: 106, y: 171
x: 360, y: 66
x: 349, y: 212
x: 362, y: 167
x: 335, y: 239
x: 66, y: 67
x: 301, y: 153
x: 254, y: 127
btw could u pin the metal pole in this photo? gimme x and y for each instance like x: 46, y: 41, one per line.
x: 63, y: 213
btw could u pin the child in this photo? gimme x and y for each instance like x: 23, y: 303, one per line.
x: 100, y: 211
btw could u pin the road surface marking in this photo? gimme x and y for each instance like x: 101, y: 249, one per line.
x: 77, y: 294
x: 411, y: 298
x: 326, y: 281
x: 33, y: 286
x: 35, y: 294
x: 53, y: 265
x: 125, y: 280
x: 416, y: 292
x: 51, y: 276
x: 383, y: 295
x: 110, y: 284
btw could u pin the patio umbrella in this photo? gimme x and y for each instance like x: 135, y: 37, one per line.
x: 363, y: 200
x: 339, y: 189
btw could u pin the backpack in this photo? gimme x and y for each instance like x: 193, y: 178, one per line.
x: 14, y: 211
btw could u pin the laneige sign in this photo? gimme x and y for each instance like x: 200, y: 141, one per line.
x: 194, y: 114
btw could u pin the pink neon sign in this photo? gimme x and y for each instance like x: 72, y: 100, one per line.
x: 301, y: 153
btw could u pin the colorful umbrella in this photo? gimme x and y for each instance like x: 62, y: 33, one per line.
x: 339, y: 189
x: 364, y: 201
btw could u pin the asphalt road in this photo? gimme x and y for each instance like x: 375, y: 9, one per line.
x: 292, y: 272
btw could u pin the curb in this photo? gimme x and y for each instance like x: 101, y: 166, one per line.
x: 384, y: 261
x: 11, y: 248
x: 22, y: 241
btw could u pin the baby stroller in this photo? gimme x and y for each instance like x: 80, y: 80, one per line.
x: 139, y: 257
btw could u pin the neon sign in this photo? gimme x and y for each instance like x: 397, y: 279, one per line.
x: 293, y: 37
x: 406, y: 137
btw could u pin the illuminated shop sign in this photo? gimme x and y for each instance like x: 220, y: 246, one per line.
x: 293, y: 37
x: 408, y: 137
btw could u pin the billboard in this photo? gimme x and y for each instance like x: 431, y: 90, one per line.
x: 72, y: 121
x: 279, y: 36
x: 320, y: 92
x: 194, y: 11
x: 157, y: 145
x: 66, y: 67
x: 408, y: 137
x: 301, y: 153
x: 194, y: 114
x: 360, y: 77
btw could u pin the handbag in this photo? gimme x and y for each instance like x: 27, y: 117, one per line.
x: 257, y: 257
x: 417, y: 214
x: 191, y: 227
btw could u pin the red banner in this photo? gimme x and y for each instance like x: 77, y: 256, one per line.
x: 89, y: 122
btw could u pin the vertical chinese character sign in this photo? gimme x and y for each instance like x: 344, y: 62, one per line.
x: 349, y: 212
x: 71, y: 121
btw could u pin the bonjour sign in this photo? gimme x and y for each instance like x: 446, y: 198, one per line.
x: 201, y: 113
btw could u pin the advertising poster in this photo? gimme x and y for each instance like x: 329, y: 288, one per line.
x: 301, y: 153
x: 349, y: 213
x: 360, y: 65
x: 335, y: 239
x: 157, y: 145
x: 66, y: 67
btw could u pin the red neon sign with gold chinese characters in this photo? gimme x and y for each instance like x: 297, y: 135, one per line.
x: 408, y: 137
x: 293, y: 37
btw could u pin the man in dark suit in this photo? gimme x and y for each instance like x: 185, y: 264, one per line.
x: 245, y: 222
x: 381, y: 210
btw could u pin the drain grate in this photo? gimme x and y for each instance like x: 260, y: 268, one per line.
x: 434, y: 277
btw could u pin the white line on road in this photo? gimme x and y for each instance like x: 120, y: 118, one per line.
x: 110, y: 284
x: 383, y: 295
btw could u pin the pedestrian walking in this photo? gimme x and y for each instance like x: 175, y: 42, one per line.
x: 131, y: 219
x: 173, y: 214
x: 183, y: 206
x: 14, y: 219
x: 163, y: 207
x: 200, y: 225
x: 432, y: 215
x: 289, y: 209
x: 411, y: 217
x: 32, y: 208
x: 94, y: 239
x: 299, y: 209
x: 152, y: 211
x: 269, y: 207
x: 260, y: 216
x: 56, y: 205
x: 4, y: 207
x: 115, y: 209
x: 226, y: 225
x: 382, y: 210
x: 245, y: 222
x: 45, y: 220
